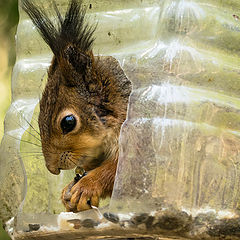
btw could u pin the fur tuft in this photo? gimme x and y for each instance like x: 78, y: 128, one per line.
x: 68, y: 30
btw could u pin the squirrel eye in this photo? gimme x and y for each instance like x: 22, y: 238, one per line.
x: 68, y: 123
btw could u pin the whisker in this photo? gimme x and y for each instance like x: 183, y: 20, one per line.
x: 24, y: 157
x: 74, y: 158
x: 31, y: 155
x: 21, y: 140
x: 56, y: 153
x: 22, y: 115
x: 32, y: 127
x: 30, y: 133
x: 73, y: 162
x: 37, y: 153
x: 29, y: 142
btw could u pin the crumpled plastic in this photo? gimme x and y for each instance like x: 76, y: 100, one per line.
x: 180, y: 143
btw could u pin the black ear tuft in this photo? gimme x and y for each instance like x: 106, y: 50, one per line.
x: 46, y: 28
x: 68, y: 30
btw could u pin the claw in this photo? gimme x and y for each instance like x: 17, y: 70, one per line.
x: 67, y: 195
x: 71, y: 207
x: 75, y: 198
x: 81, y: 194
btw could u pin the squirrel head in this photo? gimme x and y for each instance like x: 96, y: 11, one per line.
x: 85, y: 99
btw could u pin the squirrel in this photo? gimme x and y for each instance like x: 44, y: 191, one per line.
x: 82, y: 107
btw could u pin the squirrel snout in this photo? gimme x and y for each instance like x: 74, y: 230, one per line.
x: 53, y: 170
x: 56, y: 163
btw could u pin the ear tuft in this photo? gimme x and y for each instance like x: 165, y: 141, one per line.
x: 69, y: 29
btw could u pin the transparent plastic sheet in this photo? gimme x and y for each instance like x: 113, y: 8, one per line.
x: 28, y: 190
x: 184, y: 111
x: 179, y: 148
x: 179, y: 145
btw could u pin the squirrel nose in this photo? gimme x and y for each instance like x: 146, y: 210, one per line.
x: 53, y: 170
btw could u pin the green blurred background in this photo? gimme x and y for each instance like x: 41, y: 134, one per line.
x: 8, y: 24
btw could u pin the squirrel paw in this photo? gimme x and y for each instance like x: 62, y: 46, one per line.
x: 82, y: 195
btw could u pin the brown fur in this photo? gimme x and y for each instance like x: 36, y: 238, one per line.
x: 95, y: 90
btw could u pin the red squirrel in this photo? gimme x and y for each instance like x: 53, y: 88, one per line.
x: 82, y: 107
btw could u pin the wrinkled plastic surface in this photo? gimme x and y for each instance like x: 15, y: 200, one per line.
x: 28, y: 189
x: 180, y: 144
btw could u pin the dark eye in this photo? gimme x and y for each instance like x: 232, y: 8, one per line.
x: 68, y: 123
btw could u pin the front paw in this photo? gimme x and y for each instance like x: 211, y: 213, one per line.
x: 81, y: 195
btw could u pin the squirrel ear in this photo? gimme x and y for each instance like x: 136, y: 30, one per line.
x: 74, y: 64
x: 79, y: 60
